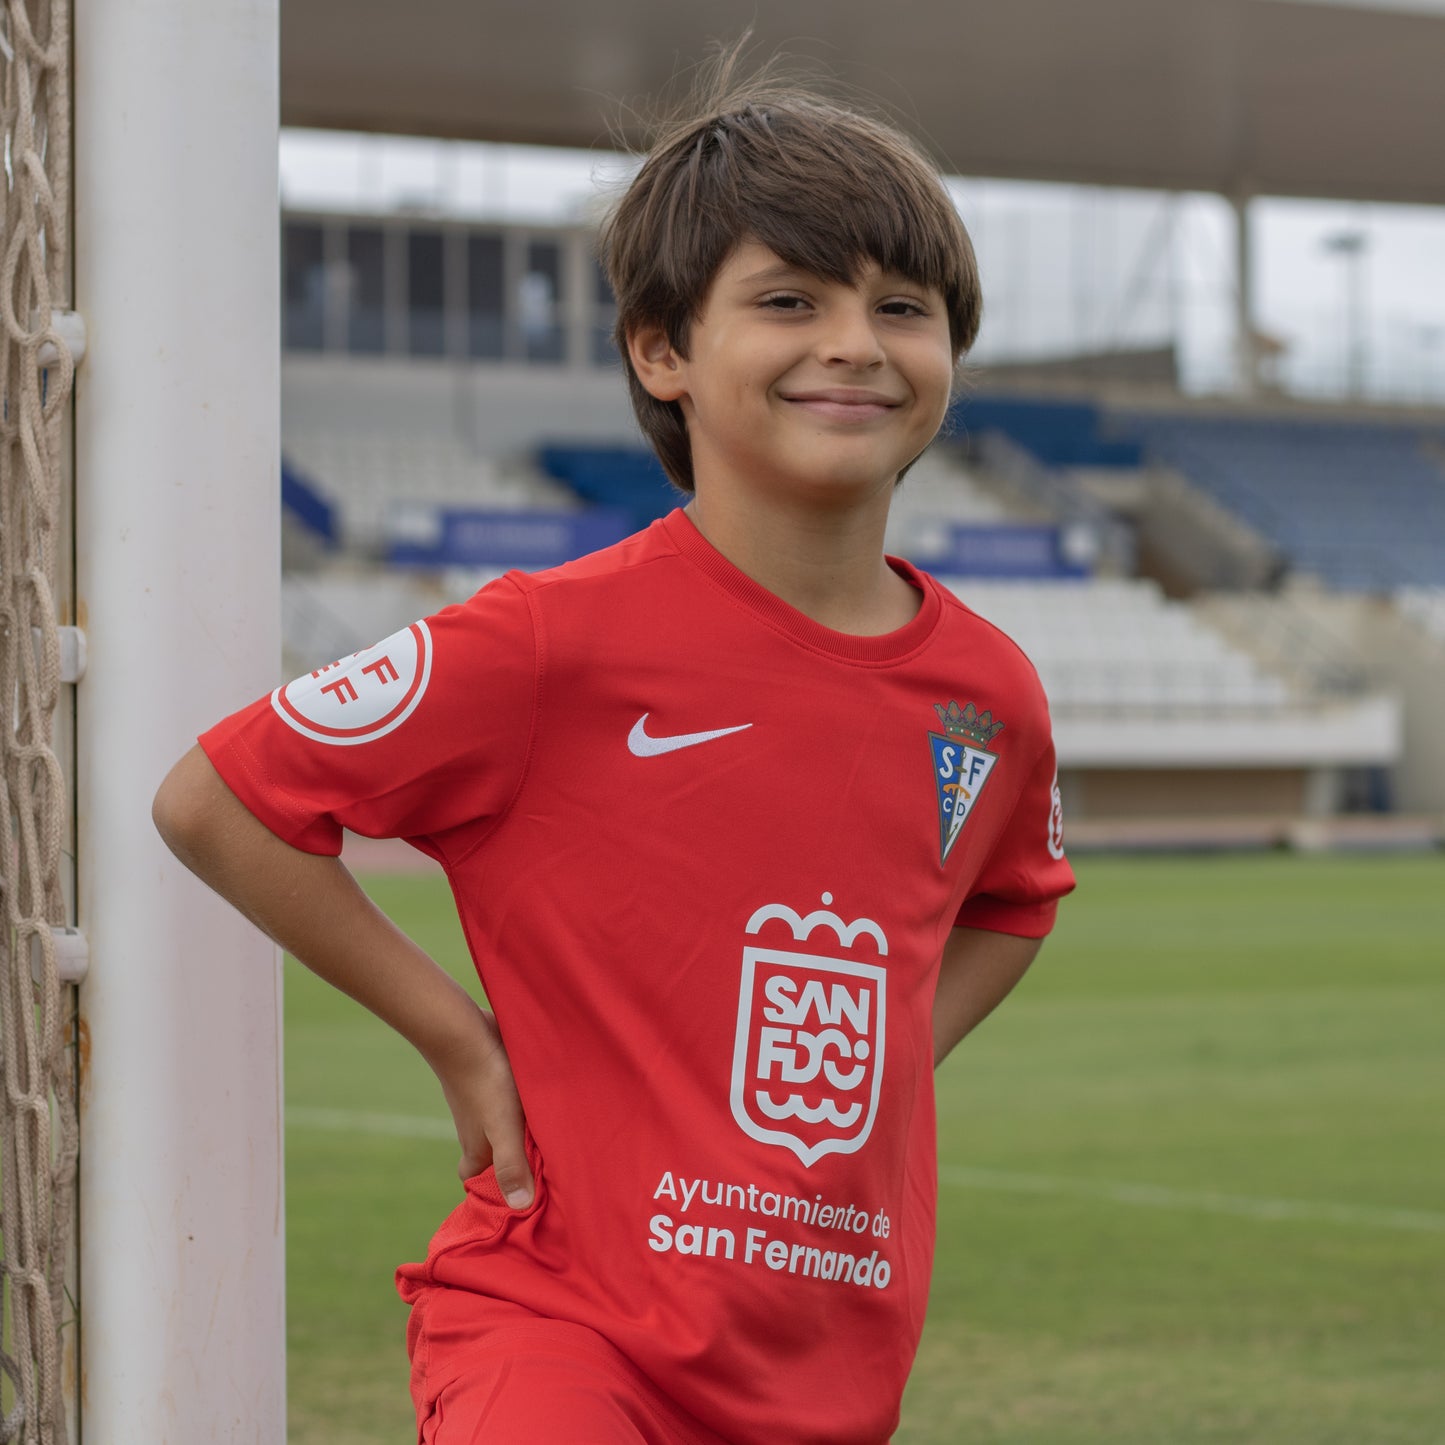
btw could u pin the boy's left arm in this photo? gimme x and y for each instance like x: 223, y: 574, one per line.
x: 979, y: 970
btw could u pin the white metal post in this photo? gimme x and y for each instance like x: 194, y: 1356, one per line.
x: 178, y: 435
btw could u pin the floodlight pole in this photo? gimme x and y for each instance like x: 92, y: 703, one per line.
x: 177, y: 515
x: 1246, y: 350
x: 1350, y: 246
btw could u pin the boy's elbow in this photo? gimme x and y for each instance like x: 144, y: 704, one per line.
x: 168, y: 814
x: 182, y: 807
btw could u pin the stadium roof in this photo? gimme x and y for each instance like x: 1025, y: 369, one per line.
x: 1265, y: 97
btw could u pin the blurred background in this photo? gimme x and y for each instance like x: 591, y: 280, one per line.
x: 1198, y: 469
x: 1191, y: 1182
x: 1192, y: 1175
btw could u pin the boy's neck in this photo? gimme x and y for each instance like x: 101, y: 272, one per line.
x: 829, y: 565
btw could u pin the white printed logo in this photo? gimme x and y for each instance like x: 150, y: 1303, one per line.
x: 361, y: 697
x: 808, y: 1056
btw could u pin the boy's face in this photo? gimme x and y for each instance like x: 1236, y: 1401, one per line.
x: 813, y: 385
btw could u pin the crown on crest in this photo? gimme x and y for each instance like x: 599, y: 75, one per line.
x: 968, y: 723
x: 802, y: 927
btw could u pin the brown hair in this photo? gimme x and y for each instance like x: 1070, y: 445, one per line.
x: 824, y: 186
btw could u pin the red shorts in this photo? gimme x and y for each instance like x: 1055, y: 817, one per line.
x: 484, y: 1372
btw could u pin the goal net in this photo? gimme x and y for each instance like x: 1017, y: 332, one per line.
x: 38, y: 1019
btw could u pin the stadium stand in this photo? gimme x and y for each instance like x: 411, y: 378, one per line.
x: 1359, y: 505
x: 303, y: 501
x: 624, y: 479
x: 945, y: 517
x: 941, y: 485
x: 1288, y: 632
x: 1069, y: 433
x: 1117, y: 645
x: 379, y: 482
x: 1424, y: 606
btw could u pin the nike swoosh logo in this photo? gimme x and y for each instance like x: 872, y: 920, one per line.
x: 640, y: 745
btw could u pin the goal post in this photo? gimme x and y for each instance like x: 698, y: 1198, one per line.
x: 178, y: 558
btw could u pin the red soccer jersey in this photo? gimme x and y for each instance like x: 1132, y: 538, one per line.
x: 707, y: 853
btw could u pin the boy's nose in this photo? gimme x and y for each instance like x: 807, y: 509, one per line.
x: 852, y: 339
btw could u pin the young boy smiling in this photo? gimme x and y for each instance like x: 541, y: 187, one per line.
x: 747, y: 826
x: 804, y: 397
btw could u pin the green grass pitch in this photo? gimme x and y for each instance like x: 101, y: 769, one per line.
x: 1193, y: 1172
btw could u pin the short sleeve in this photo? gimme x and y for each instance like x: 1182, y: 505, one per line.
x: 1018, y: 889
x: 423, y: 736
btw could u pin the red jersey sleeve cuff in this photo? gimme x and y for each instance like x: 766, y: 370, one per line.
x: 290, y: 823
x: 997, y: 915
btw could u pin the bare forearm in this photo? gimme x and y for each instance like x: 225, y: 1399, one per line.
x: 313, y: 908
x: 980, y: 969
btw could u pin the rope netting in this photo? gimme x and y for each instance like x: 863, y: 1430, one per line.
x: 38, y: 1125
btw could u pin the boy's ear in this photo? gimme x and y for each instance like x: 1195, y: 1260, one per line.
x: 659, y: 366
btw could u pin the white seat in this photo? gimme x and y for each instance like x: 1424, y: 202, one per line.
x: 1119, y: 644
x: 366, y: 474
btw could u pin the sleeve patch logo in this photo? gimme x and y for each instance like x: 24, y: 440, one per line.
x: 808, y: 1053
x: 1056, y: 823
x: 961, y: 766
x: 362, y: 697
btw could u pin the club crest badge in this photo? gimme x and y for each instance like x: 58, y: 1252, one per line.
x: 961, y: 766
x: 361, y: 697
x: 808, y: 1056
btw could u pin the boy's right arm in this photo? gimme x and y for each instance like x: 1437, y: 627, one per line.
x: 313, y: 907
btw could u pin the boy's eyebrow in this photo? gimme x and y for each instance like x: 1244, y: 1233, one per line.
x: 781, y: 272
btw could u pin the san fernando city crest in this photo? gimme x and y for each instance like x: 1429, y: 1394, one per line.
x: 961, y: 766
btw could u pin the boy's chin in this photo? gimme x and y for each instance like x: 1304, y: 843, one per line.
x: 845, y: 468
x: 843, y: 486
x: 819, y: 479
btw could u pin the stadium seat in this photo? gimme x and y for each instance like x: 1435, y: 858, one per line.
x: 1360, y: 506
x: 1117, y: 645
x: 370, y: 478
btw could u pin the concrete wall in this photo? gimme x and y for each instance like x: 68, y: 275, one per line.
x: 1398, y: 655
x: 1414, y: 664
x: 1127, y: 793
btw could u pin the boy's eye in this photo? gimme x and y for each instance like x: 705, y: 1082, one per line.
x: 902, y: 308
x: 784, y: 302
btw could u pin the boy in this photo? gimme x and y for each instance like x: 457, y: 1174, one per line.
x: 746, y: 824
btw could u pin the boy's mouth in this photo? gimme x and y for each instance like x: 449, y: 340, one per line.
x: 843, y: 403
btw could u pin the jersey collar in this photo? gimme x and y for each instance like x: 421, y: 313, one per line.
x: 782, y: 617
